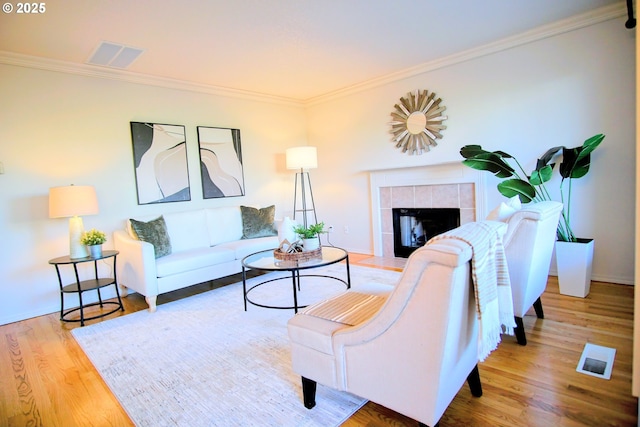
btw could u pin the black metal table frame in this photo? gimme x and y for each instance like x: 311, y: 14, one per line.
x: 81, y: 286
x: 295, y: 280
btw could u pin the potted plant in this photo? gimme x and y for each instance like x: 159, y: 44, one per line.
x: 93, y: 239
x: 310, y: 235
x: 575, y: 164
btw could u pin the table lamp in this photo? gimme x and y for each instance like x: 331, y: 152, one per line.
x: 71, y: 202
x: 303, y: 158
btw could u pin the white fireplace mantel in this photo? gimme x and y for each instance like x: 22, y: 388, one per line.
x: 443, y: 173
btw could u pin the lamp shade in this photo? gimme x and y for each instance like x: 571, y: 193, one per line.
x: 72, y: 200
x: 302, y: 158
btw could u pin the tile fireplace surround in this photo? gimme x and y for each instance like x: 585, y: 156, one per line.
x: 450, y: 185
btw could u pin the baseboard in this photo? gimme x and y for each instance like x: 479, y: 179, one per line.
x: 600, y: 278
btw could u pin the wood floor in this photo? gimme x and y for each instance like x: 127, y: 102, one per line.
x: 46, y: 380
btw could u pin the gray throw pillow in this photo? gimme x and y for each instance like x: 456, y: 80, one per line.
x: 154, y: 232
x: 258, y: 222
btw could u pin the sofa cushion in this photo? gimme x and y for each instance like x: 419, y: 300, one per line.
x: 188, y: 230
x: 258, y: 222
x: 193, y: 259
x: 224, y: 224
x: 504, y: 211
x: 154, y: 232
x: 242, y: 248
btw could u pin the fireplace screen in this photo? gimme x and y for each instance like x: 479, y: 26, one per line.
x: 412, y: 228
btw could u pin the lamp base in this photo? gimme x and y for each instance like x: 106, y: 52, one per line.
x: 303, y: 192
x: 76, y: 249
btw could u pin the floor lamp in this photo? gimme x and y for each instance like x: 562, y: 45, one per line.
x: 71, y: 202
x: 303, y: 158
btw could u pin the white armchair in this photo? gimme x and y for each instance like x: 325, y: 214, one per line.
x: 528, y: 244
x: 413, y: 354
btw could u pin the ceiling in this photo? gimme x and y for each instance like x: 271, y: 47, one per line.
x: 294, y: 49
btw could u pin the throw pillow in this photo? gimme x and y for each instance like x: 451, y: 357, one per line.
x: 154, y: 232
x: 504, y: 211
x: 258, y: 222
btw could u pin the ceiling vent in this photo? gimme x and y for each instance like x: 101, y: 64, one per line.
x: 114, y: 55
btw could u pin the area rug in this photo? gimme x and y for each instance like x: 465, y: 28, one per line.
x: 204, y: 361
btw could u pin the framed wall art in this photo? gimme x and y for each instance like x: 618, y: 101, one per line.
x: 160, y: 160
x: 220, y: 162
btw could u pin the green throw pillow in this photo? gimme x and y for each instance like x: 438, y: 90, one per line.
x: 258, y: 222
x: 154, y: 232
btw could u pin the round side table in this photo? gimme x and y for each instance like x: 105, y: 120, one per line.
x: 81, y: 286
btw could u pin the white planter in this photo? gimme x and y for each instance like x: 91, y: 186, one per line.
x: 574, y: 261
x: 311, y: 244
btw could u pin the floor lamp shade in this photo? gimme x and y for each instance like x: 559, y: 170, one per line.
x: 302, y: 158
x: 71, y: 202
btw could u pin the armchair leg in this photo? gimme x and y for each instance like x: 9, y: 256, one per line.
x: 309, y: 392
x: 519, y: 330
x: 537, y: 306
x: 474, y: 382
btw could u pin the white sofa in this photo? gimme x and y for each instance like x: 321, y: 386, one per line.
x: 206, y: 244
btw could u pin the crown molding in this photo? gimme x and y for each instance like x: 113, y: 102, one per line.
x: 570, y: 24
x: 85, y: 70
x: 550, y: 30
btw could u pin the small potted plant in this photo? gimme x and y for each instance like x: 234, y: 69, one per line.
x: 93, y: 239
x: 310, y: 235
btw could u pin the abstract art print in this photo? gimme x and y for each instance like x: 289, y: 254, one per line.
x: 220, y: 162
x: 160, y: 159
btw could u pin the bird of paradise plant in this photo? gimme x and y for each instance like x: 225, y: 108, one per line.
x: 575, y: 164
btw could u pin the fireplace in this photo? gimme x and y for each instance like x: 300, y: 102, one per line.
x: 413, y: 227
x: 445, y: 185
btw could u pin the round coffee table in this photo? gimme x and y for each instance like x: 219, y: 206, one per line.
x: 265, y: 261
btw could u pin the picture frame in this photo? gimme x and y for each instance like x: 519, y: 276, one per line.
x: 221, y: 168
x: 160, y: 162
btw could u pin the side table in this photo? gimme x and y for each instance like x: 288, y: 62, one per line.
x: 81, y: 286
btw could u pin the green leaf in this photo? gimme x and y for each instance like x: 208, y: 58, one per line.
x: 573, y: 164
x: 569, y: 156
x: 546, y: 157
x: 590, y: 144
x: 517, y: 187
x: 539, y: 177
x: 469, y: 151
x: 490, y: 162
x: 503, y: 154
x: 581, y: 167
x: 576, y: 161
x: 584, y: 156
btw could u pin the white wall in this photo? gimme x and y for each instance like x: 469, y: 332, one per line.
x: 59, y: 129
x: 556, y: 91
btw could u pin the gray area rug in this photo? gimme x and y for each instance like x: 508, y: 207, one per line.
x: 204, y: 361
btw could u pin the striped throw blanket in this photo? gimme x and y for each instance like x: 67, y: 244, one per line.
x: 350, y: 308
x: 492, y: 286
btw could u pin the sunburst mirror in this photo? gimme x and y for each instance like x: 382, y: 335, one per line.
x: 417, y: 122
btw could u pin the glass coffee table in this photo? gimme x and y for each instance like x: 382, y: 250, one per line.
x: 265, y: 261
